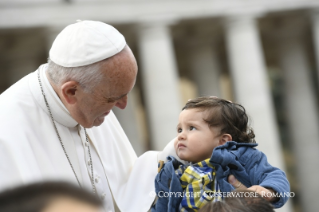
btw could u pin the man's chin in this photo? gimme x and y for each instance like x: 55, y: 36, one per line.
x: 98, y: 121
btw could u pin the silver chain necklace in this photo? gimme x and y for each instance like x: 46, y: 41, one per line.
x: 57, y: 132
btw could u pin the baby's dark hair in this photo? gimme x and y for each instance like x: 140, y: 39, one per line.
x: 230, y: 117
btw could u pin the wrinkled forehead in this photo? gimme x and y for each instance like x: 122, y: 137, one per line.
x: 120, y: 67
x: 117, y: 83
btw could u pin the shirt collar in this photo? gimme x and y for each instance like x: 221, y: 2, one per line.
x: 59, y: 112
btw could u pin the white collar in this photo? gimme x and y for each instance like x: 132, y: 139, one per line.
x: 59, y: 112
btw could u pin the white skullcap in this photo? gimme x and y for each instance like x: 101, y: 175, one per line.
x: 86, y: 42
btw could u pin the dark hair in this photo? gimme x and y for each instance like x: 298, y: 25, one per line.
x: 230, y: 117
x: 35, y: 197
x: 240, y: 200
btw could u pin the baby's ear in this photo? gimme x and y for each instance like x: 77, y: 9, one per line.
x: 225, y: 138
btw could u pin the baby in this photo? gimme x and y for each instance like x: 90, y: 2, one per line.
x: 213, y: 135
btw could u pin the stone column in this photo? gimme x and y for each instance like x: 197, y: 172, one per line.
x: 205, y: 67
x: 302, y: 113
x: 50, y: 34
x: 250, y: 83
x: 160, y: 82
x: 315, y: 35
x: 3, y: 68
x: 23, y: 55
x: 129, y: 121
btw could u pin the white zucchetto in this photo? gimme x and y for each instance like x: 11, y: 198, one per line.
x: 86, y: 42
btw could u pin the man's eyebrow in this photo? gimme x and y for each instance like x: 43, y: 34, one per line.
x: 115, y: 98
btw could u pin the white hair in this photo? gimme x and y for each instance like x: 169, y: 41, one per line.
x: 87, y: 76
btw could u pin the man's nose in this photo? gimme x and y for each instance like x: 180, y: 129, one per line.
x: 121, y: 103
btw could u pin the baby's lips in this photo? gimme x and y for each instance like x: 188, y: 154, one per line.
x: 181, y: 145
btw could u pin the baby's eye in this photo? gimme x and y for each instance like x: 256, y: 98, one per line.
x: 192, y: 128
x: 179, y: 130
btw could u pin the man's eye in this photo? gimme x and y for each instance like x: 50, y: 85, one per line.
x: 192, y: 128
x: 110, y: 100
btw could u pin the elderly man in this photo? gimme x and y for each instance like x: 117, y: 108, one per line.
x: 57, y: 122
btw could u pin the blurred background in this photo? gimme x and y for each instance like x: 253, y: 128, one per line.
x: 263, y: 54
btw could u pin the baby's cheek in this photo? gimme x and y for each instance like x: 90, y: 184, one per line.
x: 176, y: 150
x: 175, y: 142
x: 175, y: 145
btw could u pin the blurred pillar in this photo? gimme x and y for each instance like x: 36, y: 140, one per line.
x: 302, y: 114
x: 315, y: 35
x: 251, y: 88
x: 160, y: 82
x: 50, y: 34
x: 205, y: 67
x: 128, y: 119
x: 250, y: 83
x: 21, y: 60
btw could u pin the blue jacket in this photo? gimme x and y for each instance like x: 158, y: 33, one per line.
x: 246, y: 163
x: 250, y: 167
x: 167, y: 183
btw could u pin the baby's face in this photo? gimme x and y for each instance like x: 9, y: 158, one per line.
x: 195, y: 140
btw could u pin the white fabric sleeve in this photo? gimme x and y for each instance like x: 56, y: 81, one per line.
x: 140, y: 189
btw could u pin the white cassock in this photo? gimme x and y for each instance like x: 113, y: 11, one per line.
x: 30, y: 150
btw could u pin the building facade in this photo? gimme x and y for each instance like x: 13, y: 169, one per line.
x: 262, y: 54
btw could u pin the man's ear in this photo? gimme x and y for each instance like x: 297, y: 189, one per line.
x: 224, y: 138
x: 69, y: 90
